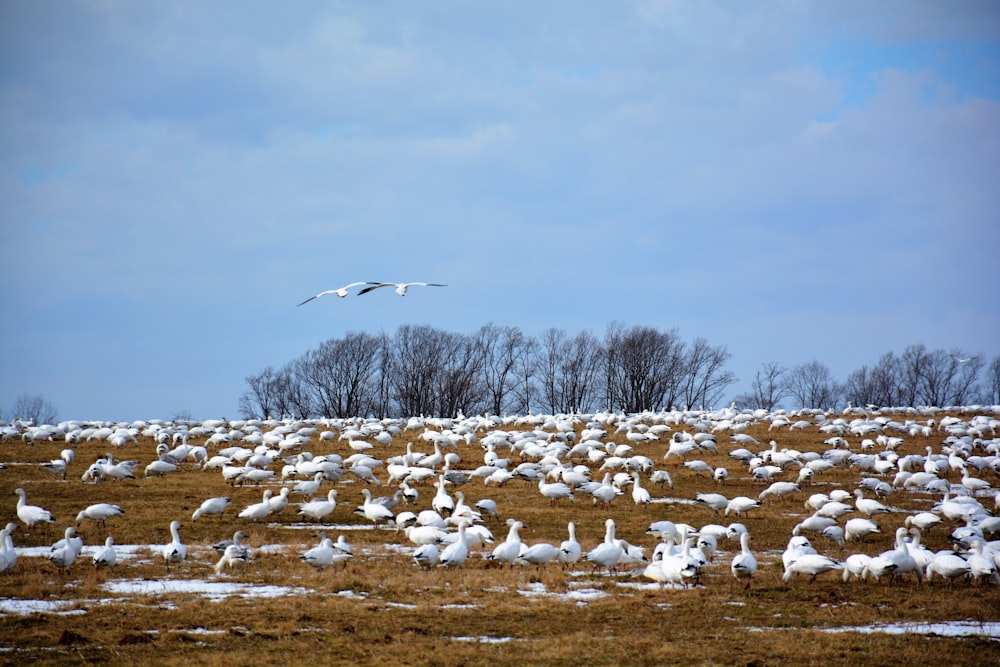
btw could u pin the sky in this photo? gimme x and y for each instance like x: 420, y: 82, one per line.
x: 793, y: 180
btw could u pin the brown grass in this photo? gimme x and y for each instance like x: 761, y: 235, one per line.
x: 399, y: 614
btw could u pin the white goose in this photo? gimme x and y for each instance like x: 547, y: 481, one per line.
x: 64, y: 556
x: 234, y: 554
x: 858, y: 529
x: 8, y: 553
x: 308, y: 488
x: 812, y: 565
x: 318, y: 509
x: 426, y: 555
x: 542, y: 553
x: 947, y: 564
x: 320, y: 556
x: 400, y: 287
x: 554, y: 491
x: 31, y: 515
x: 257, y: 511
x: 372, y: 511
x: 640, y: 496
x: 608, y: 553
x: 340, y: 291
x: 868, y: 505
x: 212, y: 506
x: 279, y: 502
x: 105, y: 556
x: 508, y: 550
x: 99, y: 512
x: 454, y: 554
x: 174, y: 551
x: 744, y: 565
x: 569, y: 550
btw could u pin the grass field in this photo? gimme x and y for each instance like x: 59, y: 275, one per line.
x: 381, y: 608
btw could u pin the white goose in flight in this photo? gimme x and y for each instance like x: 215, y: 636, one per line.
x: 400, y: 287
x: 340, y: 291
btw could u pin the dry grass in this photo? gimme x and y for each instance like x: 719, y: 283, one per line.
x: 381, y: 608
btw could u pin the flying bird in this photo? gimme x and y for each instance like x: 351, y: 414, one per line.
x: 400, y: 287
x: 340, y: 291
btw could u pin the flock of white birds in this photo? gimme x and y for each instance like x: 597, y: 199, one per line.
x: 567, y: 457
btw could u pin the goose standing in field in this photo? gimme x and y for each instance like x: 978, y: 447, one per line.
x: 569, y: 550
x: 99, y: 512
x: 868, y: 505
x: 856, y: 566
x: 640, y: 496
x: 858, y: 529
x: 308, y: 488
x: 400, y: 287
x: 454, y: 554
x: 212, y: 506
x: 8, y: 553
x: 714, y: 501
x: 56, y: 467
x: 105, y: 556
x: 279, y: 502
x: 319, y: 508
x: 812, y: 565
x: 320, y: 556
x: 981, y: 564
x: 426, y: 555
x: 946, y: 564
x: 372, y: 511
x: 740, y: 505
x: 554, y: 491
x: 541, y: 553
x: 340, y: 291
x: 894, y: 562
x: 608, y: 553
x: 65, y: 551
x: 488, y: 507
x: 31, y: 515
x: 922, y: 520
x: 744, y: 565
x: 257, y: 511
x: 442, y: 503
x: 235, y: 553
x: 174, y: 551
x: 508, y: 550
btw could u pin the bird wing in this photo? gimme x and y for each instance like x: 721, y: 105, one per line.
x: 374, y: 286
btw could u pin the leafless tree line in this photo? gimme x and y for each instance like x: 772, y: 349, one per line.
x: 498, y: 369
x: 916, y: 377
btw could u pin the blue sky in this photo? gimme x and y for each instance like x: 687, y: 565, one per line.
x: 797, y: 181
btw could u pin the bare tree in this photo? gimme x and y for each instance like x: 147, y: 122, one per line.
x: 767, y: 388
x: 880, y: 385
x: 458, y: 380
x: 938, y: 377
x: 342, y: 375
x: 705, y: 377
x: 813, y: 386
x: 645, y: 368
x: 502, y: 348
x: 419, y: 352
x: 34, y: 408
x: 525, y: 388
x: 993, y: 381
x: 569, y: 369
x: 261, y: 399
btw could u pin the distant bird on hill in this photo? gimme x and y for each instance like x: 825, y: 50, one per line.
x: 400, y: 287
x: 340, y: 291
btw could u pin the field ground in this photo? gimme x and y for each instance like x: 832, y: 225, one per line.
x: 381, y: 608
